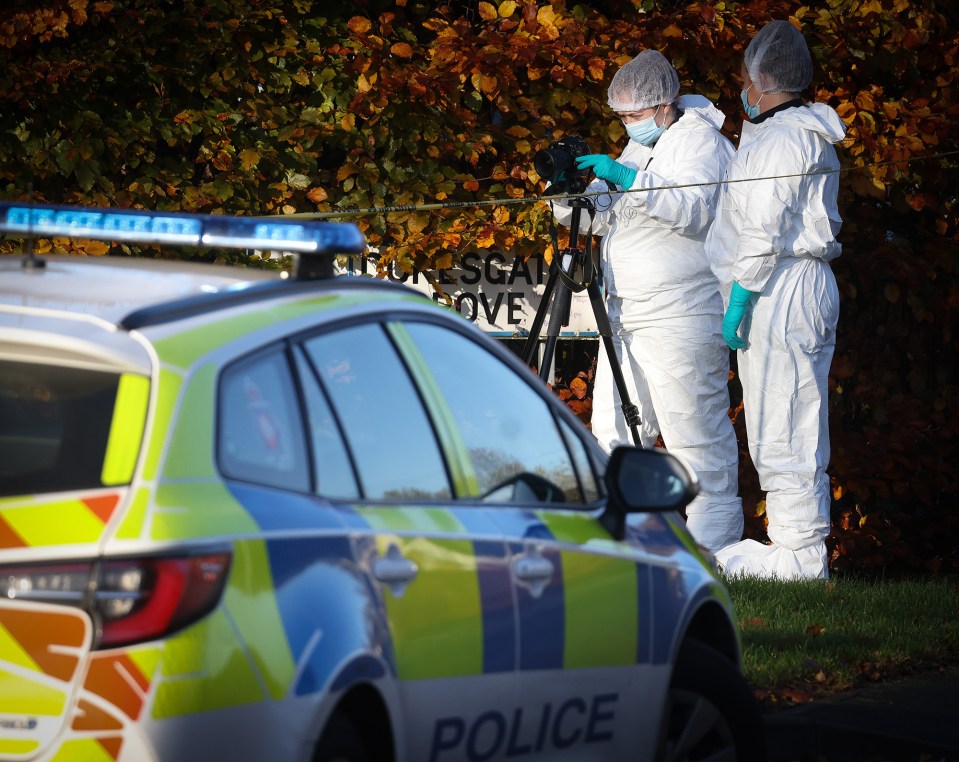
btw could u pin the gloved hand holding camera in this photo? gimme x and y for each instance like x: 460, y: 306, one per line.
x: 607, y: 169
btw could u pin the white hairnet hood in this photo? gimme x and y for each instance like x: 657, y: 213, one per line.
x: 778, y: 59
x: 648, y: 80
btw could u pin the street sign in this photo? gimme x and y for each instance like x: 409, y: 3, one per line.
x: 498, y: 292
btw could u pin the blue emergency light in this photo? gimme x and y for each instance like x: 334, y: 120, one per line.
x: 181, y: 229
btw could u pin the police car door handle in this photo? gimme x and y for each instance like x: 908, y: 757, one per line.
x: 533, y: 571
x: 394, y: 570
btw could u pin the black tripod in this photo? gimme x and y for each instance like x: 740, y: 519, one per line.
x: 565, y: 266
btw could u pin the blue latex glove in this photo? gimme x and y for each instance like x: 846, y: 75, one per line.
x: 740, y: 300
x: 606, y: 169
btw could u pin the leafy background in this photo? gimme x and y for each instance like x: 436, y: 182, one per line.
x: 263, y: 107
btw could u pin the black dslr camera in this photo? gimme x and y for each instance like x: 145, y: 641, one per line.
x: 558, y: 164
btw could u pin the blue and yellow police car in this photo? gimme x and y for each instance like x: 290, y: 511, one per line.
x: 254, y: 515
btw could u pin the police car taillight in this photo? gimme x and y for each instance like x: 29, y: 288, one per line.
x: 144, y: 599
x: 130, y: 600
x: 54, y: 583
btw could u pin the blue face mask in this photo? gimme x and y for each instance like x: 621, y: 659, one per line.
x: 752, y: 111
x: 647, y: 131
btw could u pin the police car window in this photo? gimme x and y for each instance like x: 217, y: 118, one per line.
x: 332, y: 470
x: 512, y: 437
x: 54, y: 426
x: 587, y: 474
x: 389, y: 433
x: 261, y: 437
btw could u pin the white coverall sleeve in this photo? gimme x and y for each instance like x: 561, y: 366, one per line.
x: 769, y: 208
x: 688, y: 210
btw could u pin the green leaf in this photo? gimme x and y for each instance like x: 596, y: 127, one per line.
x: 86, y: 174
x: 298, y: 181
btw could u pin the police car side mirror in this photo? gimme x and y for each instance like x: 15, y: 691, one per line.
x: 640, y: 480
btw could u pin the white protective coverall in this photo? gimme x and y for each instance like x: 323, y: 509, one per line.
x: 665, y: 312
x: 775, y: 237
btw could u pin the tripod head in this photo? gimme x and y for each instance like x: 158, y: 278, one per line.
x: 578, y: 204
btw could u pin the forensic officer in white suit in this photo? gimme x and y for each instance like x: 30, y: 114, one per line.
x: 770, y: 247
x: 662, y: 299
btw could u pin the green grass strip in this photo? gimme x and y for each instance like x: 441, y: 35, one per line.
x: 805, y: 638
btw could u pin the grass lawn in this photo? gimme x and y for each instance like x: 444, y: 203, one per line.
x: 804, y: 640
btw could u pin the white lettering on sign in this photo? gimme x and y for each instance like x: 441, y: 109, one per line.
x: 500, y: 293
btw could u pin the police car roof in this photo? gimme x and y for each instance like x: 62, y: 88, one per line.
x: 112, y: 287
x: 133, y: 293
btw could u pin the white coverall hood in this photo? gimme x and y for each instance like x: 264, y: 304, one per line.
x: 703, y: 108
x: 817, y: 118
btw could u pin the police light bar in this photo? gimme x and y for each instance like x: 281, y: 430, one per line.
x: 181, y: 229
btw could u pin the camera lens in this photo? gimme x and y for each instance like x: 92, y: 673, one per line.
x: 550, y: 162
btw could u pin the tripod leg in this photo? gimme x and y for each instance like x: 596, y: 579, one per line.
x: 630, y: 411
x: 529, y: 349
x: 559, y: 312
x: 567, y: 259
x: 558, y: 317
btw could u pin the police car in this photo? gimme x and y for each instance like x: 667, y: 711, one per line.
x: 253, y: 517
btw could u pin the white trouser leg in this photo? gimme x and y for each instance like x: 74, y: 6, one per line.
x: 678, y: 368
x: 607, y: 422
x: 784, y: 371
